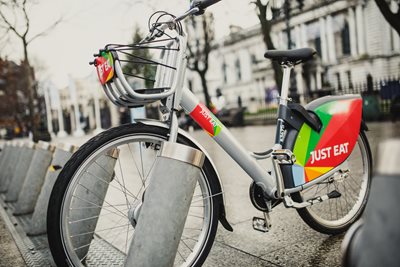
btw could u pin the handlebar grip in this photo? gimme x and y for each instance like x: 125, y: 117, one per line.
x: 203, y: 4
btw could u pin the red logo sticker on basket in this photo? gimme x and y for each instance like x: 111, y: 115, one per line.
x: 105, y: 67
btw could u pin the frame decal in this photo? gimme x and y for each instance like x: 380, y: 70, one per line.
x: 203, y: 116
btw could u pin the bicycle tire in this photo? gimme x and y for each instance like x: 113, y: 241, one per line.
x: 61, y: 247
x: 319, y: 222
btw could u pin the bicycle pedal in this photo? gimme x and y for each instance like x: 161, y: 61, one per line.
x: 260, y: 224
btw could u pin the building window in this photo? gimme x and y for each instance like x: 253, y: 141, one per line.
x: 253, y: 59
x: 339, y: 84
x: 313, y: 36
x: 317, y: 44
x: 190, y: 85
x: 345, y: 39
x: 349, y: 79
x: 224, y: 72
x: 238, y: 70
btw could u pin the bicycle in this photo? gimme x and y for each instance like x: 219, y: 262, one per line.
x: 321, y: 157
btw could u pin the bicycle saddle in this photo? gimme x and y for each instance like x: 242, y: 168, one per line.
x: 293, y: 56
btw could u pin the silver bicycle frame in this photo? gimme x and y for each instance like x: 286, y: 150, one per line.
x: 191, y: 104
x: 179, y: 96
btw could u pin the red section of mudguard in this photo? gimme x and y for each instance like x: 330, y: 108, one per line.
x: 340, y: 136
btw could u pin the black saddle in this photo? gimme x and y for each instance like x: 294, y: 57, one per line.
x: 294, y: 56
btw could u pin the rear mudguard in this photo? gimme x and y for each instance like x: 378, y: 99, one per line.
x: 218, y: 197
x: 335, y: 106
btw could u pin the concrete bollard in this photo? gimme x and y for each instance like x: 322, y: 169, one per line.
x: 20, y: 173
x: 62, y: 154
x: 4, y: 151
x: 4, y: 155
x: 35, y: 177
x: 165, y: 207
x: 11, y: 166
x: 93, y: 189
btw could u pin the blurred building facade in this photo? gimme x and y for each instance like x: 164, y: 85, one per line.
x: 352, y: 40
x: 86, y: 91
x: 14, y: 111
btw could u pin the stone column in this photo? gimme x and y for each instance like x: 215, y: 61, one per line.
x: 324, y: 47
x: 318, y: 78
x: 60, y: 117
x: 300, y: 83
x: 281, y: 43
x: 330, y: 39
x: 74, y: 100
x: 97, y: 113
x: 303, y: 34
x: 299, y: 40
x: 48, y: 111
x: 353, y: 32
x: 360, y: 30
x: 396, y: 38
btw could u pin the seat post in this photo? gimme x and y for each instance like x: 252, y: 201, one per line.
x: 287, y: 68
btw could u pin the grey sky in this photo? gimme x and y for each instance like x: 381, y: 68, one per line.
x: 91, y: 24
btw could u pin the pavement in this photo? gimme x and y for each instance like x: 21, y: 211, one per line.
x: 9, y: 253
x: 289, y: 243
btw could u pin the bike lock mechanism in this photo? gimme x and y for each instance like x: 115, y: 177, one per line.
x: 166, y: 203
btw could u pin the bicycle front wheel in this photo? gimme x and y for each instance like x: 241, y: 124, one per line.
x: 96, y: 200
x: 335, y: 215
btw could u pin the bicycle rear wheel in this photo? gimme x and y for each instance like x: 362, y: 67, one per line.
x: 97, y: 197
x: 335, y: 215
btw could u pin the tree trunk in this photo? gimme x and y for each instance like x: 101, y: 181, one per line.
x: 392, y: 18
x: 30, y: 90
x: 266, y: 32
x: 205, y: 89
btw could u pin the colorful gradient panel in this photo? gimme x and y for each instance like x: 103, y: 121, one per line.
x: 318, y: 153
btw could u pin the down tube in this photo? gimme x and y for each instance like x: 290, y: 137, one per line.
x: 204, y: 117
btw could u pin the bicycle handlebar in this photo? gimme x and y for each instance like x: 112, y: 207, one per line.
x: 203, y: 4
x: 197, y: 7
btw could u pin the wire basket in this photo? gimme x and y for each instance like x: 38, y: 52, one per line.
x: 132, y: 78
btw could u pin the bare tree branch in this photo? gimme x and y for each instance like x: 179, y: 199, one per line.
x: 46, y: 31
x: 27, y: 22
x: 10, y: 26
x: 21, y: 7
x: 199, y: 56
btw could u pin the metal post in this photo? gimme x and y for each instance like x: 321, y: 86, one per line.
x: 21, y: 172
x: 62, y: 154
x: 92, y: 191
x: 35, y: 177
x: 165, y: 207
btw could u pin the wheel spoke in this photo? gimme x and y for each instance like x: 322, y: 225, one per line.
x: 112, y: 226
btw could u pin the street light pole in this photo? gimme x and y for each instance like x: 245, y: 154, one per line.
x: 287, y: 20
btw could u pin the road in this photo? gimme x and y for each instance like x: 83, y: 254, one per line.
x: 290, y: 242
